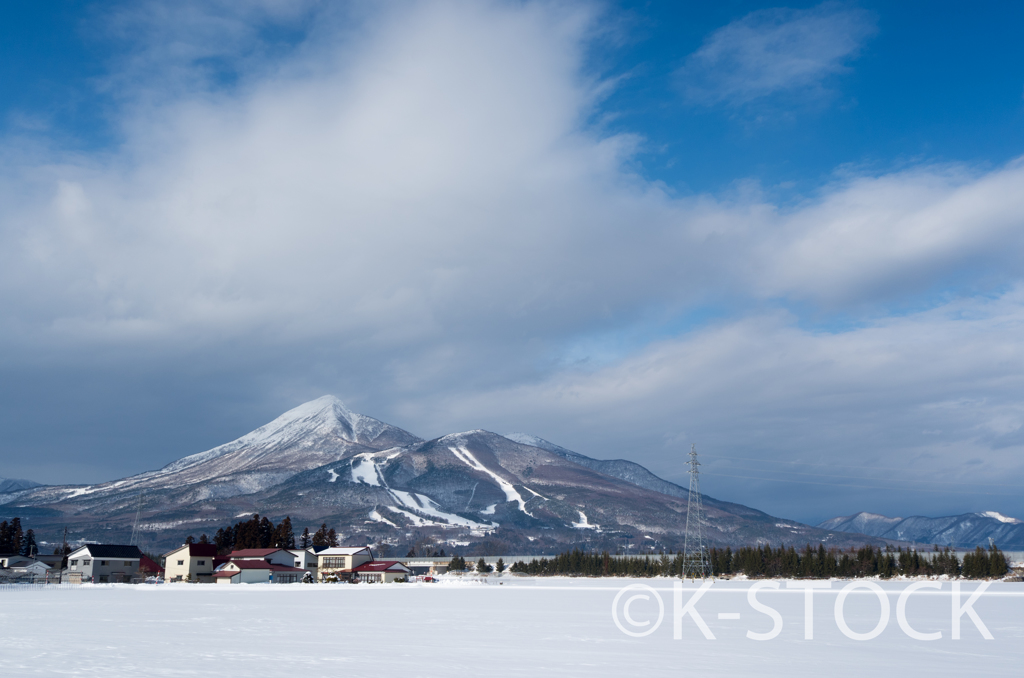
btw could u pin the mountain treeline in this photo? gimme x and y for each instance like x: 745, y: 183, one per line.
x: 768, y: 562
x: 261, y: 533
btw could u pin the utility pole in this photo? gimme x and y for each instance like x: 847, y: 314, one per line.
x: 696, y: 559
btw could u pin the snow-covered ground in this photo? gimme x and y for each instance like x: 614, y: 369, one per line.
x: 518, y: 627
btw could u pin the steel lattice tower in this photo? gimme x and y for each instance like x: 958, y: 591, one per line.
x: 696, y: 560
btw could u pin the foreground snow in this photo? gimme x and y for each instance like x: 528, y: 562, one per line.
x: 508, y: 626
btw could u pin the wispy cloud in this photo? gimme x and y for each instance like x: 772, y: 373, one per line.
x: 775, y: 51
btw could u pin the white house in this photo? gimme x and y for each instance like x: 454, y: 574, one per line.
x: 381, y: 571
x: 191, y: 562
x: 256, y: 571
x: 305, y: 559
x: 103, y: 563
x: 272, y: 556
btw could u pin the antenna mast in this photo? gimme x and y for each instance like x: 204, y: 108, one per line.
x: 696, y: 560
x: 135, y: 525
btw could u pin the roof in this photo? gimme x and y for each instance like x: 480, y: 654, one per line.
x: 343, y: 551
x: 205, y: 550
x: 120, y: 551
x: 147, y: 564
x: 260, y: 565
x: 252, y: 553
x: 381, y: 566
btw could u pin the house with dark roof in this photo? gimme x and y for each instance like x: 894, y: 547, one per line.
x: 191, y: 562
x: 256, y: 571
x: 102, y: 563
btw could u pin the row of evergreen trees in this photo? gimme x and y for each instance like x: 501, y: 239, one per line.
x: 14, y: 540
x: 458, y: 564
x: 765, y: 561
x: 261, y: 533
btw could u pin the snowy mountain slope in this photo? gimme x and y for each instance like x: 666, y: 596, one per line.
x: 310, y: 435
x: 9, y: 485
x: 320, y: 462
x: 967, y: 530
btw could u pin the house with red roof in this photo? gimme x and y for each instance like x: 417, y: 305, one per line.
x: 257, y: 571
x: 191, y: 562
x: 273, y: 556
x: 381, y: 571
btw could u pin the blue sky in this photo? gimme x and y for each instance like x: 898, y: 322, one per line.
x: 789, y: 233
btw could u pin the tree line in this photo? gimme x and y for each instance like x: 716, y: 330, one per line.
x: 14, y: 540
x: 767, y: 562
x: 261, y: 533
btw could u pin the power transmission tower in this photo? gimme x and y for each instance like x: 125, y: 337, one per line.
x: 696, y: 560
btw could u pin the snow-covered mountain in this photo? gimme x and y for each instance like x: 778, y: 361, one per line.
x: 967, y: 530
x: 320, y: 462
x: 8, y: 485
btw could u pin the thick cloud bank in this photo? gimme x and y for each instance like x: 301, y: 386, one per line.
x: 414, y: 210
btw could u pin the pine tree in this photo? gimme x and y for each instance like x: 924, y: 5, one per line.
x: 500, y: 565
x: 306, y: 541
x: 28, y: 547
x: 190, y: 539
x: 332, y: 537
x: 203, y: 539
x: 320, y: 538
x: 482, y: 567
x: 284, y: 536
x: 266, y: 533
x: 15, y: 536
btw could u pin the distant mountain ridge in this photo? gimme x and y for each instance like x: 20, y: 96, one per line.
x: 321, y: 462
x: 966, y: 530
x: 10, y: 485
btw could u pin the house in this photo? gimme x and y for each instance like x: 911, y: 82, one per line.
x: 35, y: 570
x: 340, y: 561
x: 104, y: 563
x: 272, y: 556
x: 255, y: 571
x: 305, y: 559
x: 14, y: 560
x: 381, y: 571
x: 190, y: 562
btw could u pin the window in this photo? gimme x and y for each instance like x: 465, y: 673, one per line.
x: 298, y: 563
x: 181, y: 562
x: 127, y: 563
x: 201, y: 562
x: 103, y: 563
x: 72, y: 562
x: 331, y: 562
x: 86, y: 562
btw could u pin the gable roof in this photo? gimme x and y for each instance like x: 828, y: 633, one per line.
x: 147, y: 564
x: 344, y: 551
x: 256, y: 565
x: 252, y: 553
x: 382, y: 566
x: 204, y: 550
x: 117, y: 551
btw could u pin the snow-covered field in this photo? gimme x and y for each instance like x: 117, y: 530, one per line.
x: 520, y: 627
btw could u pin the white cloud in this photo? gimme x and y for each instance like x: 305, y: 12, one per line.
x: 410, y: 208
x: 775, y: 50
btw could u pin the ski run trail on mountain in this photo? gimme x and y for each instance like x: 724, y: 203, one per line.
x: 499, y: 625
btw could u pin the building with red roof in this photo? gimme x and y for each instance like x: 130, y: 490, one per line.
x: 255, y: 571
x: 191, y: 562
x: 381, y: 571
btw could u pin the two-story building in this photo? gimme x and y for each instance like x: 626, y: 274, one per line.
x: 191, y: 562
x: 341, y: 561
x: 102, y: 563
x: 305, y: 559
